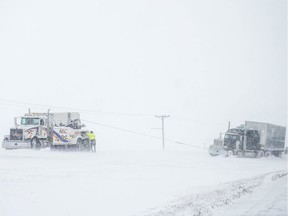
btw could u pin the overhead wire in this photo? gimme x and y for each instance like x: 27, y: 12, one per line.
x: 143, y: 134
x: 8, y: 102
x: 21, y: 104
x: 121, y: 129
x: 47, y: 106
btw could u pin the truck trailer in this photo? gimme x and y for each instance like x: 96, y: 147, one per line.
x: 40, y: 130
x: 253, y: 139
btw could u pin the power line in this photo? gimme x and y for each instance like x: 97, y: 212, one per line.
x: 195, y: 146
x: 122, y: 129
x: 8, y: 102
x: 17, y: 105
x: 144, y: 134
x: 21, y: 104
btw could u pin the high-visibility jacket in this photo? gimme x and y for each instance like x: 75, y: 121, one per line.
x: 91, y: 136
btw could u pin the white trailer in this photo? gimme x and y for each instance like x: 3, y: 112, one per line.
x: 272, y: 137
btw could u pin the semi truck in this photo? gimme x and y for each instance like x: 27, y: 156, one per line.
x: 61, y: 130
x: 253, y: 139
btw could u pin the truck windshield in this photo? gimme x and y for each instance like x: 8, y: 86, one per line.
x: 231, y: 137
x: 29, y: 121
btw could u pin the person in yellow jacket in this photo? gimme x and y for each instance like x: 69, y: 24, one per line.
x: 92, y: 139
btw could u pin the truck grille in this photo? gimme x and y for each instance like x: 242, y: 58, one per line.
x: 16, y: 134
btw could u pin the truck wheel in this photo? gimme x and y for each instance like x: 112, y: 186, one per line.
x: 86, y: 144
x: 79, y: 144
x: 260, y: 154
x: 267, y: 154
x: 240, y: 154
x: 229, y: 153
x: 35, y: 143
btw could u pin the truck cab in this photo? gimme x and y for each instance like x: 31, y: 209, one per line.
x: 32, y: 126
x: 29, y: 130
x: 238, y: 140
x: 253, y: 139
x: 233, y: 139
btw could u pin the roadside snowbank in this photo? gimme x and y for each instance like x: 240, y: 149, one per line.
x: 263, y: 195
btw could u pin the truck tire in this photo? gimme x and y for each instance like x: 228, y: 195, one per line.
x: 86, y: 144
x: 260, y: 154
x: 240, y: 154
x: 282, y: 154
x: 229, y: 153
x: 268, y: 154
x: 35, y: 143
x: 79, y: 144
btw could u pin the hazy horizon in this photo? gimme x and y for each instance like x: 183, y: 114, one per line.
x: 204, y: 63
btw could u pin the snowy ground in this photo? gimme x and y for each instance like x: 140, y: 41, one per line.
x: 127, y: 183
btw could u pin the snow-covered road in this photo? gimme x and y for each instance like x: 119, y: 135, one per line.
x: 127, y: 183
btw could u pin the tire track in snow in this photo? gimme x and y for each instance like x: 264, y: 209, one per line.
x: 204, y: 204
x: 273, y: 196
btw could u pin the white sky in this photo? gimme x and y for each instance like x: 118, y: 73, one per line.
x: 204, y: 63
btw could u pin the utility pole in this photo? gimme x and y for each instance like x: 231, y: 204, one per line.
x: 163, y: 117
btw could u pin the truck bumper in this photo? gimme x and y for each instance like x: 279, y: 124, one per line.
x: 214, y: 151
x: 8, y: 144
